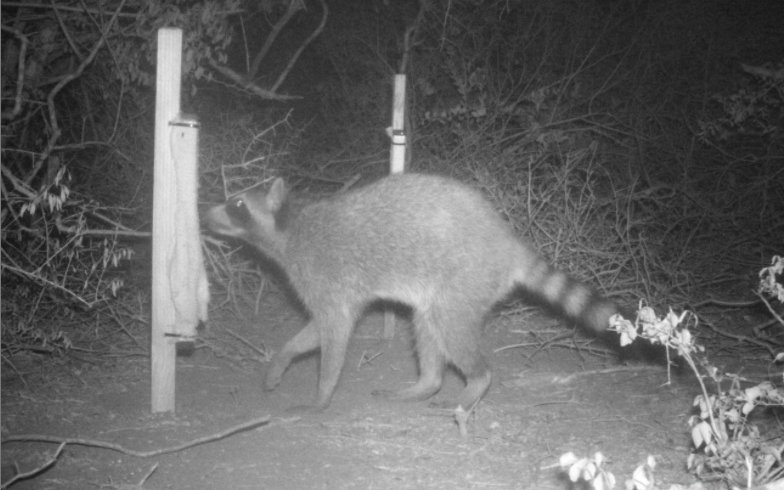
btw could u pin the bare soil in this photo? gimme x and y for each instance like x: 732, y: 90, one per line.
x: 546, y: 399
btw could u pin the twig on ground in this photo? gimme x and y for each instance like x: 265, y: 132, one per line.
x: 35, y: 471
x: 731, y: 304
x: 555, y: 342
x: 618, y: 369
x: 261, y: 421
x: 263, y: 351
x: 367, y: 358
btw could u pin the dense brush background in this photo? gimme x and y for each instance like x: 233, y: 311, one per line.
x: 638, y: 144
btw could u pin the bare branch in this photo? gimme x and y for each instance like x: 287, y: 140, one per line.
x: 770, y: 309
x: 67, y: 34
x: 408, y: 37
x: 250, y: 86
x: 294, y: 6
x: 244, y: 44
x: 37, y: 278
x: 305, y: 43
x: 119, y: 229
x: 67, y: 79
x: 7, y: 115
x: 38, y: 470
x: 20, y: 186
x: 251, y: 424
x: 63, y: 8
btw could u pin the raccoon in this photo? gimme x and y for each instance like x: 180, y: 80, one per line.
x: 426, y: 241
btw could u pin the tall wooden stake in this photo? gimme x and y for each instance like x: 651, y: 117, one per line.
x: 397, y: 162
x: 179, y: 282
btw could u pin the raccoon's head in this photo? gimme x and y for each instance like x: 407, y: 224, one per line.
x: 252, y: 216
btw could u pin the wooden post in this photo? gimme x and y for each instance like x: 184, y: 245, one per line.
x: 179, y: 284
x: 397, y: 161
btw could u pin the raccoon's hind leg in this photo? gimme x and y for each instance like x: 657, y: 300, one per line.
x: 431, y: 363
x: 462, y: 345
x: 449, y: 334
x: 478, y: 378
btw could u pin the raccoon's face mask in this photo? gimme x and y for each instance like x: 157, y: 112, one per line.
x: 238, y: 212
x: 229, y: 219
x: 251, y: 216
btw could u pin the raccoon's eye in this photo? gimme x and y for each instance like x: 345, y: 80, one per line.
x: 238, y: 211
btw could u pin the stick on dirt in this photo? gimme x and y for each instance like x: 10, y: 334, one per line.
x: 262, y: 421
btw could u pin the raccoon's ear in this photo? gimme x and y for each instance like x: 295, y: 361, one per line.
x: 277, y: 195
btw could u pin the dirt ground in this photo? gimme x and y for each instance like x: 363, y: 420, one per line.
x: 545, y: 400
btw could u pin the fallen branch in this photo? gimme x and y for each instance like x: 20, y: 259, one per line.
x: 34, y: 471
x: 262, y: 421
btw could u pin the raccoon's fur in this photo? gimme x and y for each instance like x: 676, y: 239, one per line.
x: 426, y: 241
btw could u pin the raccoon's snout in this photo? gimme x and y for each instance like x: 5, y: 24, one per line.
x: 233, y: 218
x: 218, y: 220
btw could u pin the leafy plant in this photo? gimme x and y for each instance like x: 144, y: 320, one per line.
x: 53, y: 266
x: 727, y: 445
x: 587, y: 470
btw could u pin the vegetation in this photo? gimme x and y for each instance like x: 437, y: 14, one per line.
x: 728, y: 445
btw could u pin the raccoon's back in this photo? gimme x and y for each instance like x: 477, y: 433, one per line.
x: 410, y: 226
